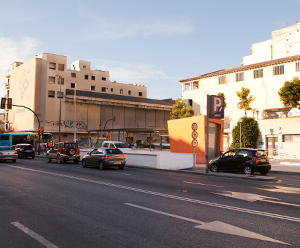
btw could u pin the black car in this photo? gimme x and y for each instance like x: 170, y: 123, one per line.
x: 245, y: 159
x: 104, y: 157
x: 25, y: 150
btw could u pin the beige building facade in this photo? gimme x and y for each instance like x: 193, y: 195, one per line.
x: 78, y: 100
x: 264, y: 72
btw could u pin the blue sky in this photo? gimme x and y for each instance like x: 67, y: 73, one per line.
x: 154, y: 43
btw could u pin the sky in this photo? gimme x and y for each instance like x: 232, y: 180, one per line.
x: 153, y: 43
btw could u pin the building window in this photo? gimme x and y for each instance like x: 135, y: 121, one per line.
x: 61, y: 80
x: 51, y: 93
x: 93, y: 78
x: 278, y: 70
x: 291, y: 138
x: 52, y: 66
x: 61, y: 67
x: 140, y: 93
x: 104, y: 78
x: 258, y: 73
x: 93, y: 87
x: 73, y: 85
x: 297, y: 66
x: 129, y: 92
x: 84, y: 67
x: 60, y: 94
x: 73, y: 75
x: 121, y: 91
x: 103, y: 89
x: 86, y: 76
x: 187, y: 86
x: 111, y: 89
x: 223, y: 79
x: 51, y: 80
x: 239, y: 76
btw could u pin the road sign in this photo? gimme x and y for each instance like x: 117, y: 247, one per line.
x: 194, y: 135
x: 194, y: 143
x: 194, y: 126
x: 216, y: 107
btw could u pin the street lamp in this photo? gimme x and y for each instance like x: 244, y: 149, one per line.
x: 59, y: 117
x: 240, y: 121
x: 75, y: 113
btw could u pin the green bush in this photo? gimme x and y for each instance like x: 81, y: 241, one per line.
x: 249, y: 134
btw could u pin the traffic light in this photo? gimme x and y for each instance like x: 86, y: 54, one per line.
x: 9, y: 103
x: 3, y: 101
x: 39, y: 131
x: 42, y: 130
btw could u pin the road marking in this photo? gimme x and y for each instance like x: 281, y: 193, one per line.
x: 215, y: 226
x: 288, y: 163
x: 253, y: 197
x: 244, y: 210
x: 121, y: 173
x: 204, y: 184
x: 34, y: 235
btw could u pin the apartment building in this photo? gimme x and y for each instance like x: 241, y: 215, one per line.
x: 77, y: 100
x: 264, y: 72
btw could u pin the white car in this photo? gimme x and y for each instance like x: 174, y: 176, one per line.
x: 116, y: 144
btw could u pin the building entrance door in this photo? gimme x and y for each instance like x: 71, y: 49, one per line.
x: 272, y: 145
x: 212, y: 140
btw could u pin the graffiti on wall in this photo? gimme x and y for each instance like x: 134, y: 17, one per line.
x: 66, y: 124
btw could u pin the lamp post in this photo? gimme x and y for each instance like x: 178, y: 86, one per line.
x: 75, y: 113
x: 59, y: 116
x: 240, y: 121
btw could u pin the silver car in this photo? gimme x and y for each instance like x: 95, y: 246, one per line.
x: 104, y: 157
x: 8, y: 153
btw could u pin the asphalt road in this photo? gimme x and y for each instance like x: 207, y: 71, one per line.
x: 65, y: 205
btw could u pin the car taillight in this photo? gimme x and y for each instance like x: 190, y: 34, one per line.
x: 64, y: 149
x: 255, y: 160
x: 21, y: 150
x: 1, y: 153
x: 107, y: 156
x: 33, y: 149
x: 15, y: 152
x: 123, y: 155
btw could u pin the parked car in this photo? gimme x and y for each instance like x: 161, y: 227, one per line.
x: 104, y: 157
x: 63, y: 152
x: 116, y: 144
x: 25, y: 150
x: 8, y: 153
x: 245, y: 160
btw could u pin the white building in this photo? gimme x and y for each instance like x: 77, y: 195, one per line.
x: 264, y: 72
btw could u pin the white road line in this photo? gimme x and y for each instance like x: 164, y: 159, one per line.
x: 167, y: 214
x: 34, y: 235
x: 244, y: 210
x: 204, y: 184
x: 121, y: 173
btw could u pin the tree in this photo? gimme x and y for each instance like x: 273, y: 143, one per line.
x: 290, y: 93
x: 223, y: 95
x: 180, y: 110
x: 245, y: 99
x: 250, y: 133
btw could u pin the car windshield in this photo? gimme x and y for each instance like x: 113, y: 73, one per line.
x: 29, y: 147
x: 3, y: 148
x: 113, y: 151
x: 120, y: 145
x: 71, y: 145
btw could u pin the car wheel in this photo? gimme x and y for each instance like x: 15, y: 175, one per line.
x: 19, y: 156
x: 214, y: 168
x: 248, y: 170
x: 48, y: 159
x: 33, y: 157
x: 101, y: 165
x: 121, y: 167
x: 264, y: 172
x: 59, y: 160
x: 83, y: 163
x: 14, y: 160
x: 76, y: 161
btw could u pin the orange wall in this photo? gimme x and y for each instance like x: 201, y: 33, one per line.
x: 180, y: 134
